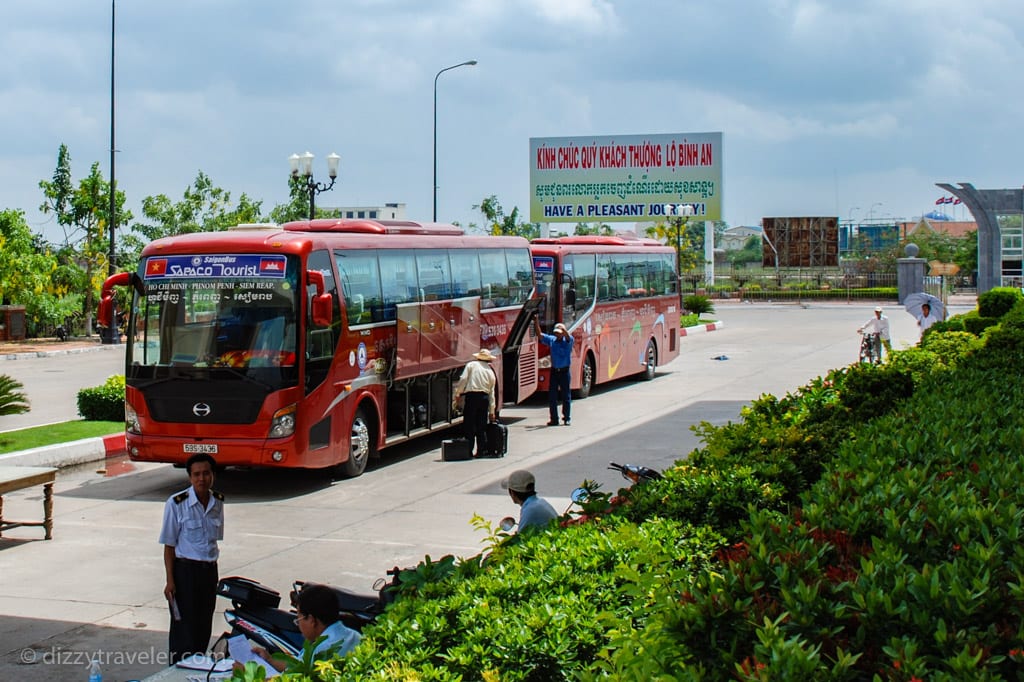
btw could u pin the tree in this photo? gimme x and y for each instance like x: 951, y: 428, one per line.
x: 203, y: 208
x: 84, y: 213
x: 500, y: 224
x: 686, y: 238
x: 297, y: 207
x: 32, y: 276
x: 602, y: 229
x: 750, y: 253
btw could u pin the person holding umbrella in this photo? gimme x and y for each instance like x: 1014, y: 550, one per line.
x: 926, y: 309
x: 927, y: 318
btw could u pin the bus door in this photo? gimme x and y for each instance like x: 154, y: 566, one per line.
x: 519, y: 355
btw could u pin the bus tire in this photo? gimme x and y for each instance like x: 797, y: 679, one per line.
x: 586, y: 379
x: 651, y: 360
x: 361, y: 445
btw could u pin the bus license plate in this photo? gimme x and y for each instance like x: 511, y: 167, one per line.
x: 208, y: 448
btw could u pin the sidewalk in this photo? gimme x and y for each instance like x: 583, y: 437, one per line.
x: 33, y: 348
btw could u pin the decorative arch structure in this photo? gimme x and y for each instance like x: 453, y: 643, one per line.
x: 986, y: 205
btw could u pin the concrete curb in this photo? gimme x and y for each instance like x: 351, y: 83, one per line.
x: 62, y: 351
x: 68, y: 454
x: 709, y: 327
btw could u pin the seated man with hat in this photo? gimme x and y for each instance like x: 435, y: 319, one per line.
x: 536, y: 511
x: 477, y: 385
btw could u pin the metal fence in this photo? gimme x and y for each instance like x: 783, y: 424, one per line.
x: 792, y: 283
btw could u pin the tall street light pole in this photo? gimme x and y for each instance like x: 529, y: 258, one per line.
x: 471, y: 62
x: 681, y: 213
x: 302, y: 167
x: 112, y: 334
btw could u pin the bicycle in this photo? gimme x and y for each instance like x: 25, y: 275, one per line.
x: 871, y: 349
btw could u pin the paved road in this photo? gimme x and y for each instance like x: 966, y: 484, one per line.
x: 52, y: 382
x: 97, y: 585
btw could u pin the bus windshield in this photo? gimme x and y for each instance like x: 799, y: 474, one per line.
x: 233, y: 312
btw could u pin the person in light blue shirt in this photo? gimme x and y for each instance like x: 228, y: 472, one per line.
x: 560, y: 344
x: 536, y: 512
x: 316, y: 615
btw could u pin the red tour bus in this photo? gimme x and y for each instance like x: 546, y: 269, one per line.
x: 315, y: 343
x: 618, y: 298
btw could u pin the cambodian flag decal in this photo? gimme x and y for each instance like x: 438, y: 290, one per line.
x: 273, y: 267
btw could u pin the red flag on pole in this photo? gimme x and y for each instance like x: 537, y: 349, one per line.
x: 940, y: 201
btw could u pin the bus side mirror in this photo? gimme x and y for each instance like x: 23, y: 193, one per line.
x: 321, y: 304
x: 322, y: 310
x: 570, y: 298
x: 105, y: 314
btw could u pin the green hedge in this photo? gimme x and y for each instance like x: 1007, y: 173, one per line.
x: 867, y: 526
x: 103, y: 403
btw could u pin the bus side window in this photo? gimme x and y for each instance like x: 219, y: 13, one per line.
x: 494, y: 275
x: 399, y: 285
x: 465, y: 272
x: 360, y: 284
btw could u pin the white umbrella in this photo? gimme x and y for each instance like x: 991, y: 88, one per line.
x: 913, y: 302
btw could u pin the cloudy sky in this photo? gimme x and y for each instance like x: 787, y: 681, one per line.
x: 826, y: 107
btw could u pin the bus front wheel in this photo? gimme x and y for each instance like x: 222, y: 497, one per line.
x: 360, y: 445
x: 586, y: 379
x: 650, y: 360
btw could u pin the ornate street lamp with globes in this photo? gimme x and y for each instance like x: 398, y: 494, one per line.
x: 302, y: 168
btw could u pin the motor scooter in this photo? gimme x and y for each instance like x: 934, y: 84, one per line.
x: 255, y: 610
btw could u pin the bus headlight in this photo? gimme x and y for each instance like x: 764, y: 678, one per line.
x: 545, y: 362
x: 131, y: 419
x: 283, y: 423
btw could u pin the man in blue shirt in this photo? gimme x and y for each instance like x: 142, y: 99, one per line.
x: 536, y: 511
x: 560, y: 344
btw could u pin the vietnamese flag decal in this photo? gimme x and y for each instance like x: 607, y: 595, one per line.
x: 156, y: 267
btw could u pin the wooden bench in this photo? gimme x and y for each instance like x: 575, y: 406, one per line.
x: 15, y: 478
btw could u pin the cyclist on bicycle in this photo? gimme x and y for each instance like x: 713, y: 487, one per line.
x: 879, y: 324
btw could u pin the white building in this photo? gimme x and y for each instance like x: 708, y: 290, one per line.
x: 734, y: 238
x: 385, y: 212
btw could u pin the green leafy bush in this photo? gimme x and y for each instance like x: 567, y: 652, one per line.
x: 103, y: 403
x: 950, y: 346
x: 866, y: 527
x: 695, y: 303
x: 975, y: 324
x: 998, y: 301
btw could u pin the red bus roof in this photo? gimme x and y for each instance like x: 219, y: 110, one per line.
x: 301, y: 236
x: 364, y: 226
x: 598, y: 240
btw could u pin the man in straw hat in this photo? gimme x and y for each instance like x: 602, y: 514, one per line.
x: 477, y: 386
x: 560, y: 344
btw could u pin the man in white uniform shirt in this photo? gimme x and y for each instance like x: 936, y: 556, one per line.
x: 193, y: 524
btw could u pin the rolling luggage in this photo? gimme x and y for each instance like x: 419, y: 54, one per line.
x: 456, y: 450
x: 497, y: 439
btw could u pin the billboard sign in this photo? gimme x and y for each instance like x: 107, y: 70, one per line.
x: 624, y: 178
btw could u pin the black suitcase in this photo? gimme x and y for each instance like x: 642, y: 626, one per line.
x: 456, y: 450
x: 497, y: 439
